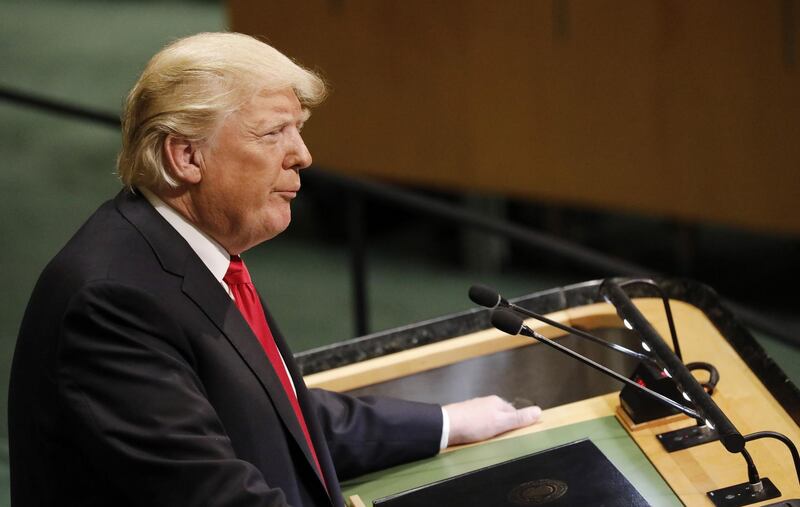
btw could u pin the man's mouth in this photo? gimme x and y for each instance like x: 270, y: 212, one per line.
x: 290, y: 193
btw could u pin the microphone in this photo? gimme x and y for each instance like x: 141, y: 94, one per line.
x: 509, y: 322
x: 486, y: 296
x: 490, y: 298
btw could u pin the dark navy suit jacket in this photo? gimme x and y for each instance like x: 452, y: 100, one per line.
x: 136, y: 381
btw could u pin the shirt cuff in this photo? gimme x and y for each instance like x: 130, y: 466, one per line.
x: 445, y: 430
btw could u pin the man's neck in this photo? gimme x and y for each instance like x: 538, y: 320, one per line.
x: 213, y: 255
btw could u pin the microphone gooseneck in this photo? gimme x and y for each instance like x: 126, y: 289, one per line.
x: 491, y: 298
x: 509, y: 322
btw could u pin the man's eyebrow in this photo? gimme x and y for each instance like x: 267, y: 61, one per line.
x: 272, y: 123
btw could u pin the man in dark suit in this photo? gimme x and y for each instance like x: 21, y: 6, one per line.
x: 147, y: 371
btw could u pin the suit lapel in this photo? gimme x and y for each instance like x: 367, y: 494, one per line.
x: 199, y: 285
x: 304, y: 398
x: 227, y: 317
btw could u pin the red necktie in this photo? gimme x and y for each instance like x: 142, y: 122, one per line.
x: 246, y: 298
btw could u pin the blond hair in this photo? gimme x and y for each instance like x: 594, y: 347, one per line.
x: 192, y: 84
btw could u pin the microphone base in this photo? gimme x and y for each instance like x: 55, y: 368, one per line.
x: 641, y: 408
x: 743, y: 494
x: 685, y: 438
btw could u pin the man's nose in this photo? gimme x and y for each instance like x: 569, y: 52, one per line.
x: 299, y: 157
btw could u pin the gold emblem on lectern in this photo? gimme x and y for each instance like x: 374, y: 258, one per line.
x: 538, y: 492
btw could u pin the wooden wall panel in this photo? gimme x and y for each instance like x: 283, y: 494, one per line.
x: 685, y: 109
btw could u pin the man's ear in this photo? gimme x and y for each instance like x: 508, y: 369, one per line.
x: 181, y: 159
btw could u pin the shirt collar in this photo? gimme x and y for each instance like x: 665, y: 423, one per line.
x: 213, y: 255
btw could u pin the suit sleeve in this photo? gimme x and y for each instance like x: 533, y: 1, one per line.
x: 136, y: 408
x: 369, y: 433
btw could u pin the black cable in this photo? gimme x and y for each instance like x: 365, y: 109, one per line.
x: 713, y: 374
x: 752, y: 472
x: 783, y: 438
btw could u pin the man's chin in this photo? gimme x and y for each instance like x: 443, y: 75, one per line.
x: 275, y: 227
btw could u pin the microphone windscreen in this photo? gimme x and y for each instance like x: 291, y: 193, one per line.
x: 484, y: 296
x: 507, y: 321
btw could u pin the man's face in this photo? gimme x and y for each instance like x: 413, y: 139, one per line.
x: 251, y: 172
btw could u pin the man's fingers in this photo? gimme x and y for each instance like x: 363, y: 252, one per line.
x: 506, y: 406
x: 481, y: 418
x: 528, y: 415
x: 518, y: 418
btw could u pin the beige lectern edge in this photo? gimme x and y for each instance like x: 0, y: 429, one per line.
x: 690, y: 472
x: 355, y: 501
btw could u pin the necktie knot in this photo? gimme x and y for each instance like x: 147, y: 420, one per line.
x: 237, y: 273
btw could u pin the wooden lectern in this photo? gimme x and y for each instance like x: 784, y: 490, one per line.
x: 461, y: 355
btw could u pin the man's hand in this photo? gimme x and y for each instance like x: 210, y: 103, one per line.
x: 482, y: 418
